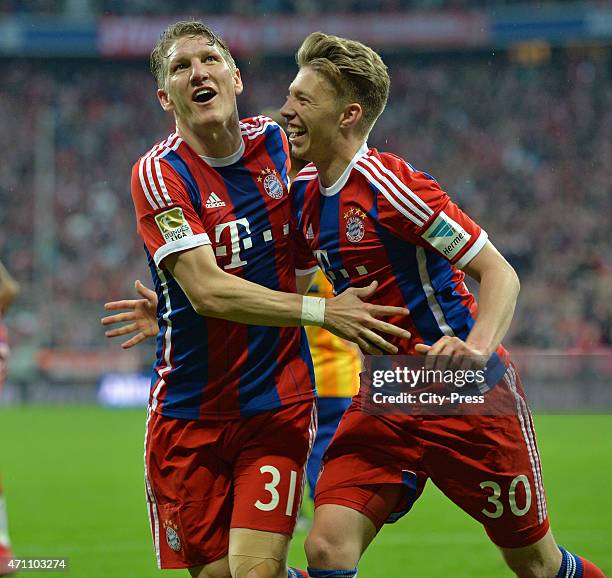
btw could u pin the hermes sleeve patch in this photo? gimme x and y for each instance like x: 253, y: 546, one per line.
x: 447, y: 236
x: 173, y: 225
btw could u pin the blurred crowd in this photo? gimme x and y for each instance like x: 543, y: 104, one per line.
x: 241, y: 7
x: 527, y: 151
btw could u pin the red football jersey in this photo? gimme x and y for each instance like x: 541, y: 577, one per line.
x: 240, y: 206
x: 385, y: 221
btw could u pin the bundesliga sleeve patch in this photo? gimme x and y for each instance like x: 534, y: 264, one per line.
x: 173, y: 225
x: 446, y: 235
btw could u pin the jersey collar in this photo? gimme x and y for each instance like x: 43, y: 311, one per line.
x: 225, y: 161
x: 337, y: 186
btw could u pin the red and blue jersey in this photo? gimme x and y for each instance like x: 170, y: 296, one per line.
x: 385, y: 221
x: 208, y: 368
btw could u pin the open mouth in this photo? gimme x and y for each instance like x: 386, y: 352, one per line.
x: 294, y: 133
x: 204, y: 95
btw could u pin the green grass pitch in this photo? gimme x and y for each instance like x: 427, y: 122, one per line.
x: 73, y: 482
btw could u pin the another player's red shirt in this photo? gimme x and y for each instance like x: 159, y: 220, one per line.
x: 212, y: 368
x: 385, y: 221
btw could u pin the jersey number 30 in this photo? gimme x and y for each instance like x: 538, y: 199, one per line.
x: 499, y: 506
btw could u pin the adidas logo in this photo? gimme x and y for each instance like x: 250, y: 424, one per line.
x: 442, y: 230
x: 214, y: 202
x: 309, y: 232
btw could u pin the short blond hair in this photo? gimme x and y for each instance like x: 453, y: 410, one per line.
x: 356, y: 72
x: 185, y: 28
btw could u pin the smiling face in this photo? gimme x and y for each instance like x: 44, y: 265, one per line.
x: 200, y: 87
x: 313, y: 115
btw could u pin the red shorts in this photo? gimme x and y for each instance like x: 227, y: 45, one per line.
x: 488, y: 465
x: 203, y: 478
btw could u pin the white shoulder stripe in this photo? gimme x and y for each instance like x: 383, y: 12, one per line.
x: 428, y: 210
x: 153, y: 187
x: 143, y: 184
x: 308, y: 169
x: 160, y: 177
x: 145, y: 172
x: 254, y: 132
x: 169, y: 146
x: 141, y: 167
x: 149, y: 173
x: 255, y: 121
x: 307, y: 177
x: 389, y: 196
x: 249, y: 128
x: 401, y: 199
x: 162, y: 185
x: 308, y: 173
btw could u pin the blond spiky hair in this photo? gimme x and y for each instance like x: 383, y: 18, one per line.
x: 356, y: 72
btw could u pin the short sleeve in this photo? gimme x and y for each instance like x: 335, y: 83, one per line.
x: 414, y: 207
x: 166, y: 218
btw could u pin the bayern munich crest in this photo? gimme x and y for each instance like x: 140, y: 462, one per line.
x: 172, y: 536
x: 355, y: 225
x: 272, y: 183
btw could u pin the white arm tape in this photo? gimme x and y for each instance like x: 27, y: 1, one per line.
x: 313, y: 311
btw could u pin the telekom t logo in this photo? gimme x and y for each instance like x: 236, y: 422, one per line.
x: 247, y: 243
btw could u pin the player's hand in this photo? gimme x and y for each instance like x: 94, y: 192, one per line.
x: 349, y: 316
x: 452, y: 353
x: 141, y: 314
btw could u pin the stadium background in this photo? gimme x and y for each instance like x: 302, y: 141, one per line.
x: 507, y: 104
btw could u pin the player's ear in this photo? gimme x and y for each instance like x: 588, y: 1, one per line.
x: 351, y: 115
x: 238, y: 87
x: 164, y: 100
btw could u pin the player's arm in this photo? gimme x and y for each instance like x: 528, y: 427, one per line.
x: 499, y: 289
x: 436, y: 223
x: 141, y: 314
x: 175, y: 237
x: 214, y: 293
x: 142, y: 320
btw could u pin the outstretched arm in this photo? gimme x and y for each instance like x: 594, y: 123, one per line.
x: 346, y: 315
x: 499, y: 289
x: 215, y: 293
